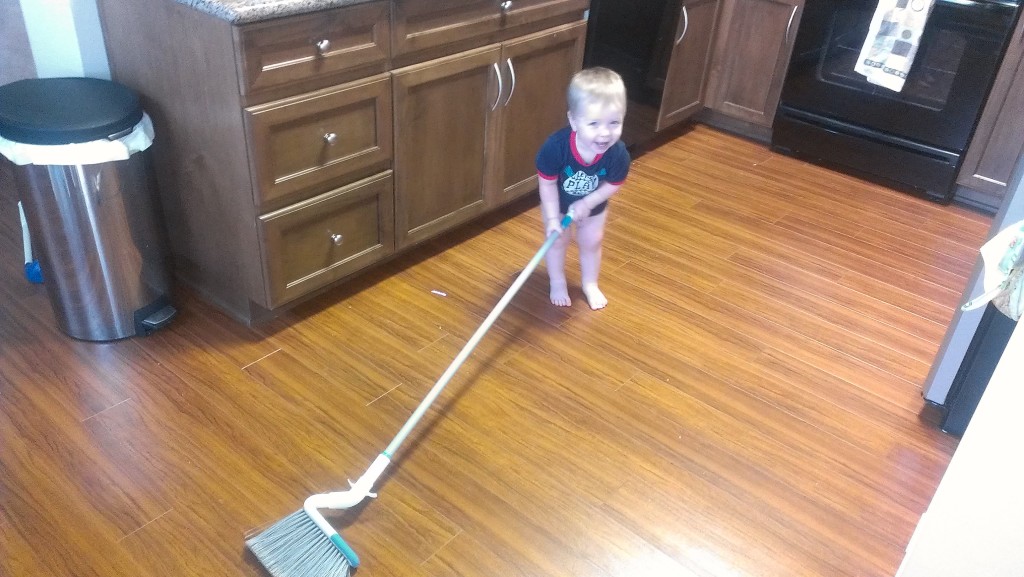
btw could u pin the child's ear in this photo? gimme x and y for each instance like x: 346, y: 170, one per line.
x: 572, y: 123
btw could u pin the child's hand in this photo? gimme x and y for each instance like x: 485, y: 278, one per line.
x: 553, y: 226
x: 580, y: 210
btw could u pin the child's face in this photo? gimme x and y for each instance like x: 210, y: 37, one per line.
x: 598, y: 126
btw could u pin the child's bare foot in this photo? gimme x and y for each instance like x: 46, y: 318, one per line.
x: 560, y: 295
x: 594, y: 296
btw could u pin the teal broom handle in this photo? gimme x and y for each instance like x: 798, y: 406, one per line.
x: 389, y: 452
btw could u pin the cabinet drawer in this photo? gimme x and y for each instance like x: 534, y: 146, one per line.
x: 429, y: 24
x: 318, y: 241
x: 321, y: 45
x: 314, y: 139
x: 524, y: 16
x: 440, y: 27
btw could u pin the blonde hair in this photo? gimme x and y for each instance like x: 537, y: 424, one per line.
x: 597, y: 84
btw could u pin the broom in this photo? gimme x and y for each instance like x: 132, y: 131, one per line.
x: 304, y: 544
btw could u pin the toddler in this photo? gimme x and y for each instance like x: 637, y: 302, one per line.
x: 579, y: 168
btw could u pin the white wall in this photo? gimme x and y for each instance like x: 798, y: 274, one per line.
x: 66, y: 38
x: 16, y: 61
x: 974, y: 526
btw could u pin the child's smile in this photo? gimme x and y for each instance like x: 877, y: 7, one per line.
x: 598, y: 126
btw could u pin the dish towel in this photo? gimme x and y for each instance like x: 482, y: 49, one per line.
x: 892, y: 41
x: 1003, y: 278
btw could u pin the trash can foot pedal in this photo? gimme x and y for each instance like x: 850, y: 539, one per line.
x: 155, y: 316
x: 159, y: 319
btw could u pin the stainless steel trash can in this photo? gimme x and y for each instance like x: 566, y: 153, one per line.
x: 82, y: 172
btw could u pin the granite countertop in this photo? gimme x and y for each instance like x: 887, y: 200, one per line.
x: 248, y: 11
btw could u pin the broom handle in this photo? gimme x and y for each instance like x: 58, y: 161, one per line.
x: 26, y: 240
x: 471, y: 344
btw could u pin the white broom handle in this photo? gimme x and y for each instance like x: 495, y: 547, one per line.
x: 26, y: 240
x: 471, y: 344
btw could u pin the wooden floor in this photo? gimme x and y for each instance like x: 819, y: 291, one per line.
x: 749, y: 404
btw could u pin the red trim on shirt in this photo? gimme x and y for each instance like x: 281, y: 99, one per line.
x: 546, y: 177
x: 576, y: 152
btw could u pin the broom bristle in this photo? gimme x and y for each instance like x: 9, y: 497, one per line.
x: 296, y: 547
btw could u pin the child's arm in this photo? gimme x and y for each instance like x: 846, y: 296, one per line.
x: 549, y: 204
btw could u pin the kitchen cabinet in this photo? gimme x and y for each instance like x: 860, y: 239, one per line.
x: 293, y: 151
x: 266, y: 134
x: 662, y: 49
x: 443, y: 118
x: 426, y: 29
x: 299, y: 146
x: 688, y: 59
x: 312, y: 243
x: 307, y: 51
x: 335, y: 134
x: 998, y: 140
x: 533, y: 105
x: 752, y: 52
x: 468, y: 126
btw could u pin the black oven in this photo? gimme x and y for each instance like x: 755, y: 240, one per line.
x: 914, y: 138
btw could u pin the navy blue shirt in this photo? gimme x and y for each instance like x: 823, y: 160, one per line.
x: 559, y: 160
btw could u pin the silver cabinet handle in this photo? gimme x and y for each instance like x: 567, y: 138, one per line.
x: 323, y: 46
x: 790, y: 24
x: 512, y: 73
x: 337, y: 239
x: 330, y: 138
x: 505, y: 5
x: 686, y: 25
x: 497, y: 72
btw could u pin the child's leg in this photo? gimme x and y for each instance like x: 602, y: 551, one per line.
x: 589, y: 235
x: 555, y: 261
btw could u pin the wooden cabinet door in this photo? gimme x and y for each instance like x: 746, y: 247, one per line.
x: 687, y: 71
x: 444, y: 115
x: 998, y: 140
x: 751, y: 56
x: 536, y: 70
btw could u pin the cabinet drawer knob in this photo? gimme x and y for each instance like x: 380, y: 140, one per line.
x: 337, y: 239
x: 330, y: 138
x: 323, y: 46
x: 506, y: 4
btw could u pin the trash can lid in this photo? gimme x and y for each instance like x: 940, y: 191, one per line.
x: 66, y: 110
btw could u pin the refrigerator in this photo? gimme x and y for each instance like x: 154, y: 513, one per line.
x: 974, y: 339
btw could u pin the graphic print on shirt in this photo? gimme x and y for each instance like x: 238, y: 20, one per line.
x: 581, y: 183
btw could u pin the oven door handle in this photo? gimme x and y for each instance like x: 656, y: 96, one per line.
x: 988, y: 5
